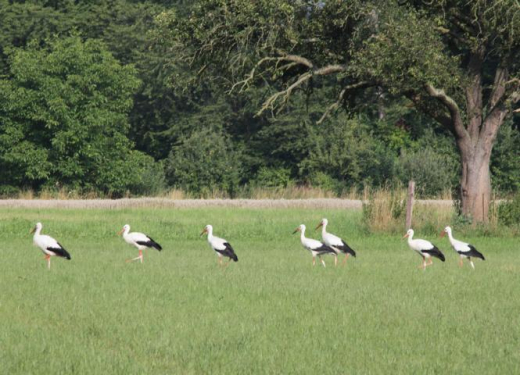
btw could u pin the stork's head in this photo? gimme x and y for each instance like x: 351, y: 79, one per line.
x: 38, y: 226
x: 446, y: 230
x: 207, y: 229
x: 409, y: 233
x: 126, y: 228
x: 323, y: 223
x: 300, y: 228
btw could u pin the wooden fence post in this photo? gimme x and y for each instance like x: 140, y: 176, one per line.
x: 409, y: 204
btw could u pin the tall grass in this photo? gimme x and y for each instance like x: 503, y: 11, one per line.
x: 292, y: 191
x: 385, y: 209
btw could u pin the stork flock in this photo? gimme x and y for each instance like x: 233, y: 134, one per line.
x: 330, y: 245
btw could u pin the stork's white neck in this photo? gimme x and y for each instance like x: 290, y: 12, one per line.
x: 302, y: 234
x: 37, y: 232
x: 410, y: 238
x: 210, y: 233
x: 450, y: 236
x: 324, y: 229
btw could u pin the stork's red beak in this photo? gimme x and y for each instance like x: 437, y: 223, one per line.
x: 33, y: 230
x: 204, y: 231
x: 296, y: 230
x: 406, y: 235
x: 319, y: 225
x: 121, y: 232
x: 443, y: 233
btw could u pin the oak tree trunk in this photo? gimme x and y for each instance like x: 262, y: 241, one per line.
x: 475, y: 183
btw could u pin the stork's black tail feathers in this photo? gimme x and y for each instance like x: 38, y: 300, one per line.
x: 350, y: 251
x: 155, y: 245
x: 150, y: 243
x: 60, y: 251
x: 475, y: 253
x: 234, y: 257
x: 437, y: 253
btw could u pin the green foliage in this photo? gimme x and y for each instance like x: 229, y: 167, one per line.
x: 273, y: 177
x: 505, y: 160
x: 63, y: 116
x: 346, y: 151
x: 509, y: 212
x: 213, y: 63
x: 203, y: 162
x: 432, y: 171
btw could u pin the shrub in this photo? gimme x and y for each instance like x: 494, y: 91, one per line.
x: 433, y: 172
x: 273, y: 177
x: 509, y: 212
x: 204, y: 162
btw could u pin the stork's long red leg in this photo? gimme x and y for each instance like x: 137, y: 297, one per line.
x: 335, y: 260
x: 313, y: 260
x: 345, y: 259
x: 48, y: 257
x: 460, y: 262
x: 140, y: 257
x: 423, y: 266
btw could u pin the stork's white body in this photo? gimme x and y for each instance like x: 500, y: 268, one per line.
x: 139, y: 240
x: 220, y: 246
x: 216, y: 243
x: 424, y: 248
x: 463, y: 249
x: 336, y: 243
x: 316, y: 248
x: 43, y: 242
x: 134, y: 237
x: 48, y: 245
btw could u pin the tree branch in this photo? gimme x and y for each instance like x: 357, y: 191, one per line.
x: 452, y: 107
x: 341, y: 95
x: 285, y: 94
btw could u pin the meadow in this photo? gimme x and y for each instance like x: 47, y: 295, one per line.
x: 272, y: 312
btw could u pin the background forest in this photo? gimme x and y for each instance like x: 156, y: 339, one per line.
x: 93, y: 100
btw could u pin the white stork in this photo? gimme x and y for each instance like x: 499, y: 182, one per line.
x: 316, y: 248
x: 139, y: 240
x: 48, y: 245
x: 465, y: 250
x: 335, y: 242
x: 221, y: 247
x: 424, y: 248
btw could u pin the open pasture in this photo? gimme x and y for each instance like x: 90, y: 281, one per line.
x: 272, y: 312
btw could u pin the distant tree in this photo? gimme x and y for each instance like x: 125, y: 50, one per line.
x: 63, y: 118
x: 454, y: 60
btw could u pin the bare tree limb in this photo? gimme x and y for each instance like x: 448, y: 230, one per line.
x: 341, y: 95
x: 285, y: 94
x: 453, y: 108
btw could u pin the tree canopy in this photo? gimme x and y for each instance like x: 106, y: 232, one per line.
x: 336, y: 94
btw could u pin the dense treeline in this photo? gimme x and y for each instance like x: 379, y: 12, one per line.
x: 95, y: 96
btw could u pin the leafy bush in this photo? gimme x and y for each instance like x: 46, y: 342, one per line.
x: 325, y: 182
x: 432, y: 171
x: 509, y: 212
x: 204, y: 162
x: 505, y: 160
x: 149, y: 178
x: 273, y: 177
x: 345, y: 150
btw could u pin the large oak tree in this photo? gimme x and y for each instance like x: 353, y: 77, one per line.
x: 454, y: 60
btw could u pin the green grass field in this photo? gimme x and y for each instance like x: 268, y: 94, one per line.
x: 272, y: 312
